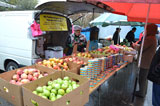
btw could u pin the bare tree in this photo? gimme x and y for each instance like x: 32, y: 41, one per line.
x: 20, y: 4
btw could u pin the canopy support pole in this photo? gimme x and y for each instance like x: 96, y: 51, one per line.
x: 145, y: 32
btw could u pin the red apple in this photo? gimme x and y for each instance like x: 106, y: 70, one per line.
x: 65, y: 67
x: 12, y: 81
x: 30, y: 77
x: 24, y: 76
x: 59, y: 64
x: 78, y: 62
x: 25, y: 71
x: 66, y: 59
x: 40, y: 63
x: 70, y: 59
x: 61, y: 61
x: 36, y: 74
x: 45, y: 74
x: 74, y: 58
x: 19, y: 79
x: 36, y: 70
x: 82, y: 62
x: 18, y: 83
x: 15, y: 77
x: 55, y: 67
x: 30, y: 71
x: 40, y: 76
x: 19, y: 71
x: 24, y: 81
x: 34, y: 78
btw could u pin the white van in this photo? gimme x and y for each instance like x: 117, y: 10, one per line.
x: 18, y: 47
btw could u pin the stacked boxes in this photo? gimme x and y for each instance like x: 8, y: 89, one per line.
x: 92, y: 70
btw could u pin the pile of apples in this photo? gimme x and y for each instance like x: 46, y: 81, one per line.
x: 57, y: 64
x: 23, y: 76
x: 56, y: 89
x: 74, y: 60
x: 107, y: 51
x: 84, y: 55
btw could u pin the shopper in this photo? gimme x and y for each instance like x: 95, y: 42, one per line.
x: 130, y: 36
x: 76, y: 38
x: 154, y: 76
x: 148, y: 52
x: 140, y: 38
x: 116, y: 37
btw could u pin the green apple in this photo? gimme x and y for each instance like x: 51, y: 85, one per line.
x: 68, y: 90
x: 61, y: 92
x: 58, y: 96
x: 53, y: 98
x: 66, y: 78
x: 44, y: 87
x: 35, y: 92
x: 50, y: 83
x: 70, y: 86
x: 57, y: 86
x: 49, y: 88
x: 53, y: 85
x: 44, y: 97
x: 55, y: 81
x: 46, y: 92
x: 73, y: 82
x: 78, y: 85
x: 66, y: 82
x: 52, y: 95
x: 40, y: 94
x: 39, y: 89
x: 34, y: 102
x: 74, y: 86
x: 59, y: 81
x: 54, y: 91
x: 70, y: 82
x: 64, y: 86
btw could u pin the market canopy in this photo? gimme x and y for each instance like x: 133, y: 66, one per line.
x: 70, y: 7
x: 113, y: 19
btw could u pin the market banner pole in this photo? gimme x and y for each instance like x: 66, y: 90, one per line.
x: 140, y: 57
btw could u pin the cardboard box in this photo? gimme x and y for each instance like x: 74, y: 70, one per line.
x: 74, y: 68
x: 128, y: 58
x: 78, y: 97
x: 11, y: 92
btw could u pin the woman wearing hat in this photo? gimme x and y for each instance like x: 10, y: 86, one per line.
x: 76, y: 38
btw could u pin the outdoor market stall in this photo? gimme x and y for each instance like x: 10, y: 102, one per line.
x: 94, y: 68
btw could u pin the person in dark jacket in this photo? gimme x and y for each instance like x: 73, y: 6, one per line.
x: 154, y: 76
x: 116, y: 37
x: 130, y: 36
x: 149, y: 49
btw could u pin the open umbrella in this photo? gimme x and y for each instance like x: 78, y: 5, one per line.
x: 114, y: 19
x: 135, y: 10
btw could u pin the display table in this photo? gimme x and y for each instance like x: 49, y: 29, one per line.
x: 116, y: 89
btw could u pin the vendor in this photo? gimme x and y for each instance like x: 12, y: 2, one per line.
x: 76, y: 38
